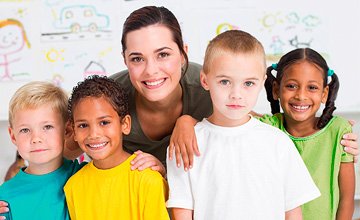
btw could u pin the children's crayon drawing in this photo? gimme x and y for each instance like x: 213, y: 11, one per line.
x: 13, y: 40
x: 72, y: 21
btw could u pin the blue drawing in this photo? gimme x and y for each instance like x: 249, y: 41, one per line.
x: 277, y: 45
x: 77, y: 18
x: 311, y: 21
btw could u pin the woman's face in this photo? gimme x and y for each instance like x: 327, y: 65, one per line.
x: 154, y: 62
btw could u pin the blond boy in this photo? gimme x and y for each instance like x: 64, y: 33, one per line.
x: 37, y: 117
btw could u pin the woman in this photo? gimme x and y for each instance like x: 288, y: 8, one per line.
x: 162, y: 87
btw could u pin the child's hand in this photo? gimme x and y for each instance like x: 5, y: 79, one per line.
x: 183, y: 140
x: 3, y: 208
x: 145, y: 160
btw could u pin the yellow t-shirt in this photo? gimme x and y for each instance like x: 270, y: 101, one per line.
x: 116, y: 193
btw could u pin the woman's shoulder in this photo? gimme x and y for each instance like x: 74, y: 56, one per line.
x: 192, y: 75
x: 123, y: 79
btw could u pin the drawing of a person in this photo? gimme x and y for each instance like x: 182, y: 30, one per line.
x: 12, y: 40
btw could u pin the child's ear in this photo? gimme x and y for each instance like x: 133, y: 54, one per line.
x: 12, y: 135
x: 126, y: 124
x: 275, y: 91
x: 70, y: 138
x: 203, y: 80
x: 325, y: 95
x: 68, y: 129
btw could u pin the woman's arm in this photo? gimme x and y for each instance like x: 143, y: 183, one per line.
x: 183, y: 142
x: 347, y: 190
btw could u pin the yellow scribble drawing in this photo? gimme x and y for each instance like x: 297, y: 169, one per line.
x: 54, y: 55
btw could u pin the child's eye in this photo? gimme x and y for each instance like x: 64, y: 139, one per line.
x: 104, y: 123
x: 313, y: 87
x: 24, y: 130
x: 48, y: 127
x: 249, y: 83
x: 163, y: 54
x: 224, y: 82
x: 136, y: 59
x: 291, y: 86
x: 82, y: 125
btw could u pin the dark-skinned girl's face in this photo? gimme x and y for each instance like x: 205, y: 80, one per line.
x: 301, y: 91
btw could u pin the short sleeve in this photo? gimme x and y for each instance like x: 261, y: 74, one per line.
x: 180, y: 194
x: 155, y: 194
x: 299, y: 188
x: 345, y: 157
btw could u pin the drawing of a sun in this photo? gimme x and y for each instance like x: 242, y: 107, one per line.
x: 54, y: 55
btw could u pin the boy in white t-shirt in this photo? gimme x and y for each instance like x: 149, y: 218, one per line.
x: 247, y: 170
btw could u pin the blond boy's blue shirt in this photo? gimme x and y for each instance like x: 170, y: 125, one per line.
x: 39, y: 197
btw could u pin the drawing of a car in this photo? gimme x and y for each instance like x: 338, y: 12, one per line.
x: 81, y: 18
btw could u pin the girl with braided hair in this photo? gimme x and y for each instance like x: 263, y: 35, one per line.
x: 300, y: 87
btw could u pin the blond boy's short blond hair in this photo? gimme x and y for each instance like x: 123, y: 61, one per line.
x: 232, y: 41
x: 36, y: 94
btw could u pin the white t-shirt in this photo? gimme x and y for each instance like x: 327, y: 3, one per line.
x: 252, y: 171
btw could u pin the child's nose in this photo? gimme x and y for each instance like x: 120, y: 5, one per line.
x: 300, y: 94
x: 35, y: 137
x: 236, y: 92
x: 94, y: 132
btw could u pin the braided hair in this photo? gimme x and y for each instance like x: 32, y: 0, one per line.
x: 295, y: 56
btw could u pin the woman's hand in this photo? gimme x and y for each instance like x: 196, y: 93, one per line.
x: 351, y: 146
x: 349, y: 141
x: 183, y: 141
x: 145, y: 160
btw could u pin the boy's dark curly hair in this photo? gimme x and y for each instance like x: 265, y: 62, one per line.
x: 100, y: 86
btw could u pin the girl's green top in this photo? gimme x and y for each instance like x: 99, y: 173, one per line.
x: 322, y: 154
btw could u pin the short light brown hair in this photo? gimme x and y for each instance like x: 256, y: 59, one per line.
x: 232, y: 41
x: 36, y: 94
